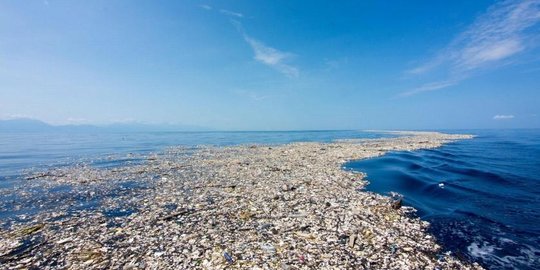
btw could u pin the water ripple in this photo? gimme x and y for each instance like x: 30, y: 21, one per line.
x: 481, y: 196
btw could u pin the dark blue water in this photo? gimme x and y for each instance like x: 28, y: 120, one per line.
x: 482, y: 196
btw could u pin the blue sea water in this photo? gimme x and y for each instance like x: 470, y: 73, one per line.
x: 20, y: 151
x: 481, y: 196
x: 23, y: 152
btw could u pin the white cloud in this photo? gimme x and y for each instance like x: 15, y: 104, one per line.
x: 502, y: 32
x: 503, y: 117
x: 231, y: 13
x: 269, y: 56
x: 475, y: 57
x: 496, y: 35
x: 272, y: 57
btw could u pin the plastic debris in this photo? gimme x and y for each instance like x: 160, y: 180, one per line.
x: 268, y: 248
x: 286, y: 205
x: 228, y: 257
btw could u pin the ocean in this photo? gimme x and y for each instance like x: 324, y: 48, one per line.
x: 482, y: 196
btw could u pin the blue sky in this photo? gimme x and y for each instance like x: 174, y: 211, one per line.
x: 273, y: 65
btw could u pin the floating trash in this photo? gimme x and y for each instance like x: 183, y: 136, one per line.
x: 228, y: 257
x: 287, y: 205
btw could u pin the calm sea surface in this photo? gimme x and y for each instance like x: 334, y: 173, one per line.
x: 482, y: 196
x: 21, y: 151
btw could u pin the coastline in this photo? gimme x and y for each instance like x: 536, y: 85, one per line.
x: 287, y: 206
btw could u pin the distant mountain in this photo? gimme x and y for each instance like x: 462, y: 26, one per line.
x: 33, y: 125
x: 24, y: 125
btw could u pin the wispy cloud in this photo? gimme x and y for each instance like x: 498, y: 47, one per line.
x: 269, y: 56
x: 428, y: 87
x: 503, y: 117
x: 207, y: 7
x: 272, y: 57
x: 496, y: 36
x: 231, y: 13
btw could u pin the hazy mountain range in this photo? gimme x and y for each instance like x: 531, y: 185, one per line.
x: 33, y: 125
